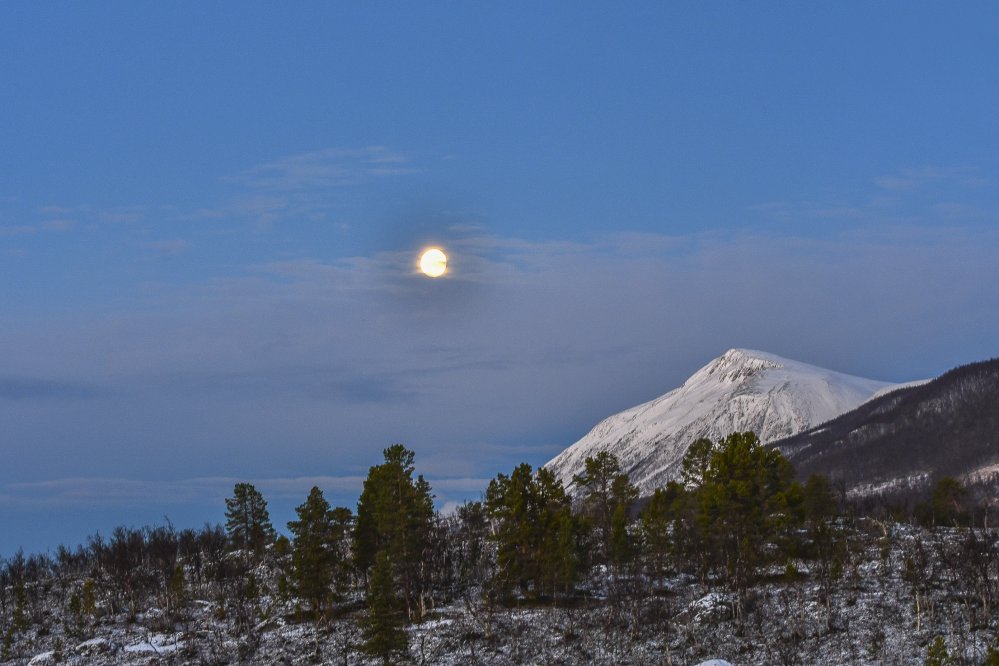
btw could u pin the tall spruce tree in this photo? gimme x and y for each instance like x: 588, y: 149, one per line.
x: 535, y: 532
x: 395, y: 516
x: 247, y: 521
x: 607, y: 496
x: 747, y: 500
x: 317, y: 556
x: 383, y: 627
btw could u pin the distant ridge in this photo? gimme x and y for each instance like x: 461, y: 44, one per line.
x: 945, y: 427
x: 741, y: 390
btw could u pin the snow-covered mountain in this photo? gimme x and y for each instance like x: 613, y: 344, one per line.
x: 739, y: 391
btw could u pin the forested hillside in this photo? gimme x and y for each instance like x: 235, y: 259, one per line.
x: 736, y: 560
x: 910, y: 437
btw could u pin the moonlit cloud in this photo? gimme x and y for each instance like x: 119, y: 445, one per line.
x: 319, y: 365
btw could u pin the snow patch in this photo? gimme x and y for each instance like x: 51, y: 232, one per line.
x: 897, y: 387
x: 982, y: 473
x: 912, y: 480
x: 157, y: 643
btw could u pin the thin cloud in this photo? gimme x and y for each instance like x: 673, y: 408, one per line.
x: 811, y: 210
x: 17, y: 230
x: 321, y: 169
x: 168, y: 247
x: 922, y: 196
x: 63, y: 224
x: 65, y: 211
x: 909, y: 180
x: 27, y: 388
x: 111, y: 492
x: 123, y: 215
x: 305, y: 365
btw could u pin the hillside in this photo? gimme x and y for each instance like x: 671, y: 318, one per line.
x: 948, y: 426
x: 866, y: 615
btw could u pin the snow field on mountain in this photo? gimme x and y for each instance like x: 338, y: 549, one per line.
x: 739, y: 391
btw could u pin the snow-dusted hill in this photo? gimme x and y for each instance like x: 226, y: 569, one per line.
x: 739, y: 391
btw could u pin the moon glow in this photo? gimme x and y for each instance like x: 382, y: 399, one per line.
x: 433, y: 262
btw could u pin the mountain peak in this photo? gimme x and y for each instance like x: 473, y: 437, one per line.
x: 737, y: 364
x: 743, y: 389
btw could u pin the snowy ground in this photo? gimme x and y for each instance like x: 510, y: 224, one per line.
x: 869, y: 618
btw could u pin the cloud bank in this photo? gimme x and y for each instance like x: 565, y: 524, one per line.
x: 307, y: 367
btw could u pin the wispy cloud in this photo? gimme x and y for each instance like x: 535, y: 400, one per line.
x: 26, y: 388
x: 63, y: 211
x: 812, y: 210
x: 317, y: 365
x: 168, y: 247
x: 304, y: 187
x: 61, y: 224
x: 307, y: 186
x: 911, y: 179
x: 17, y: 230
x: 123, y: 214
x: 925, y: 195
x: 321, y: 169
x: 61, y: 218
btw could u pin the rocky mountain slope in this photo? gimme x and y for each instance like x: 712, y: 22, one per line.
x: 948, y: 426
x: 741, y: 390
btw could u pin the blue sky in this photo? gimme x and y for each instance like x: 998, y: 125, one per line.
x: 209, y: 217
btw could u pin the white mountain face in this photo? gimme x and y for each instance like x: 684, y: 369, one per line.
x: 741, y: 390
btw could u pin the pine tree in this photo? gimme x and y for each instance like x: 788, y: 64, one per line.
x: 694, y: 467
x: 947, y: 502
x: 557, y: 532
x: 247, y: 521
x: 18, y: 623
x: 936, y: 654
x: 747, y: 500
x: 318, y: 566
x: 395, y: 516
x: 470, y: 538
x: 819, y: 508
x: 606, y: 492
x: 177, y: 588
x: 513, y: 511
x: 383, y: 633
x: 665, y: 526
x: 991, y: 656
x: 535, y: 532
x: 19, y: 619
x: 76, y: 614
x: 620, y: 549
x: 88, y: 600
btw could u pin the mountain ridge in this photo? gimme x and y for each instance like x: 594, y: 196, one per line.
x: 908, y: 437
x: 743, y: 389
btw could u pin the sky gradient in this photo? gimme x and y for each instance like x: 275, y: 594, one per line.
x: 210, y: 217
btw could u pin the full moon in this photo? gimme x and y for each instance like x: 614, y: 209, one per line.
x: 433, y: 262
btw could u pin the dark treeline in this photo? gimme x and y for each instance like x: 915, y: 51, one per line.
x: 735, y: 518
